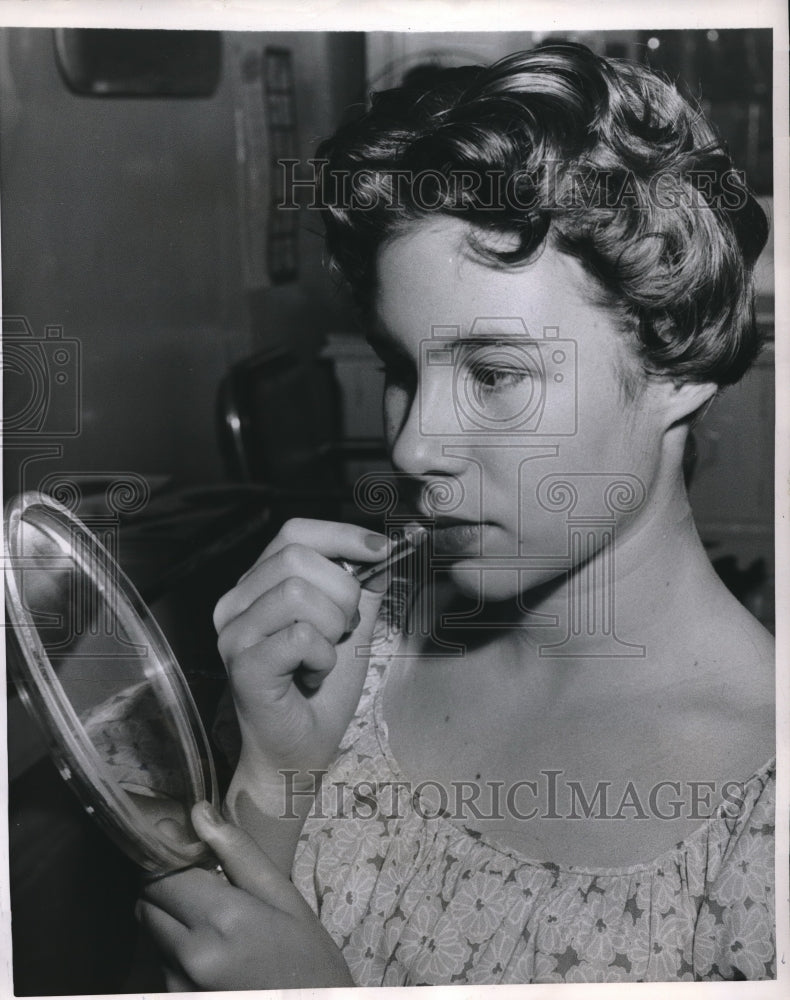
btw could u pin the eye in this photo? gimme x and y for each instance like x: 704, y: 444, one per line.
x: 496, y: 368
x: 494, y: 379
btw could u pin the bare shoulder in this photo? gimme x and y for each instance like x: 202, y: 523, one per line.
x: 744, y: 652
x: 729, y: 702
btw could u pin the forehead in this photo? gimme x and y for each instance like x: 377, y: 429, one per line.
x: 430, y: 277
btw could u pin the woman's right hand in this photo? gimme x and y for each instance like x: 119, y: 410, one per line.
x: 288, y: 634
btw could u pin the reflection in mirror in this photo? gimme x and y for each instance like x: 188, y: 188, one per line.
x: 116, y: 679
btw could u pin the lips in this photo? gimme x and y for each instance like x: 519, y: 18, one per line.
x: 449, y: 536
x: 457, y: 538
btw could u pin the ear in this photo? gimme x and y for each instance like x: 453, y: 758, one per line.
x: 686, y: 401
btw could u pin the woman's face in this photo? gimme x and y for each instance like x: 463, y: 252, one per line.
x: 501, y: 384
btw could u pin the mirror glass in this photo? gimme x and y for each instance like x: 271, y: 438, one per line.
x: 97, y: 673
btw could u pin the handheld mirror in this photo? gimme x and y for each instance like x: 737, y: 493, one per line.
x: 94, y: 669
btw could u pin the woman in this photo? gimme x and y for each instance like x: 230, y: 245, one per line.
x: 557, y: 766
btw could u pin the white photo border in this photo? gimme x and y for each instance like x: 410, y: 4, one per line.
x: 492, y: 16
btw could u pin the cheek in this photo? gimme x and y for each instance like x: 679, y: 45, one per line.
x: 396, y: 404
x: 639, y: 435
x: 615, y: 429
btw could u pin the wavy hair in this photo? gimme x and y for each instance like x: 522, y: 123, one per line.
x: 600, y: 158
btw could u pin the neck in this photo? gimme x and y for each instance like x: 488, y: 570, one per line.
x: 644, y: 581
x: 635, y: 587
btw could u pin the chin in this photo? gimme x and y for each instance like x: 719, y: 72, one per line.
x: 500, y: 585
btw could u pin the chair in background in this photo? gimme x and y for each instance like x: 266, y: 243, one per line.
x: 280, y: 428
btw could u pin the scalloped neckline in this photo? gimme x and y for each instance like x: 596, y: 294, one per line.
x: 380, y: 663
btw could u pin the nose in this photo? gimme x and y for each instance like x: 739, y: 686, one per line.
x: 421, y: 423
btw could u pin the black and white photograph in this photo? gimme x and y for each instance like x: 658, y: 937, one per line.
x: 394, y: 402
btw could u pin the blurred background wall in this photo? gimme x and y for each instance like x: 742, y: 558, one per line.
x: 121, y: 223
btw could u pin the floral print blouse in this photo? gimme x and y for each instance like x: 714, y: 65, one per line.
x: 418, y: 899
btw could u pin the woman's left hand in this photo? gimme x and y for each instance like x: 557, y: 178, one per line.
x: 253, y: 932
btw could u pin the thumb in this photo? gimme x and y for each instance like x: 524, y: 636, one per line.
x: 245, y: 864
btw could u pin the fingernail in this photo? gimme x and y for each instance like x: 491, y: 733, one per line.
x: 209, y: 814
x: 376, y: 542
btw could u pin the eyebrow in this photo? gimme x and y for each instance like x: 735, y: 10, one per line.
x: 378, y: 336
x: 492, y: 341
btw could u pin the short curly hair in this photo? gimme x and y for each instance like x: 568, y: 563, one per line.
x: 600, y: 158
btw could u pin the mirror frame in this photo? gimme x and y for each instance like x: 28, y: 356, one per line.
x: 45, y: 698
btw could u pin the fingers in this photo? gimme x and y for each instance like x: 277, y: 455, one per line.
x: 293, y: 599
x: 177, y: 982
x: 305, y: 548
x: 170, y: 934
x: 176, y: 903
x: 281, y: 632
x: 244, y: 863
x: 332, y: 539
x: 296, y: 581
x: 291, y: 562
x: 198, y: 923
x: 273, y: 662
x: 255, y: 933
x: 172, y: 939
